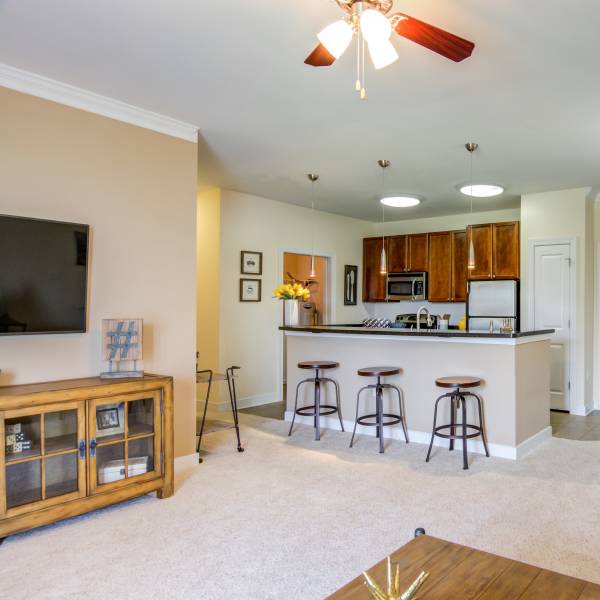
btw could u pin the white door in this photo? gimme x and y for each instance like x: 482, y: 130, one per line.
x: 552, y: 311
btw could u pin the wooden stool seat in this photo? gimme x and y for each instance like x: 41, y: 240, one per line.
x: 458, y: 382
x: 318, y: 364
x: 378, y: 371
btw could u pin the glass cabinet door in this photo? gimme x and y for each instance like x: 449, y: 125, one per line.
x: 125, y: 439
x: 43, y: 457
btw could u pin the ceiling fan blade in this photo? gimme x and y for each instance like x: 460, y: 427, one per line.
x: 447, y: 44
x: 320, y: 57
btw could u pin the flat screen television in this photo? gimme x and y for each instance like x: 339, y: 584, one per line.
x: 43, y: 276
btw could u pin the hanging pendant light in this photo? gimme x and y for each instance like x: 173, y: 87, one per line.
x: 384, y: 164
x: 471, y: 147
x: 313, y: 177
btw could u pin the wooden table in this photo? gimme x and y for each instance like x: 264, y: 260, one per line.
x: 463, y: 573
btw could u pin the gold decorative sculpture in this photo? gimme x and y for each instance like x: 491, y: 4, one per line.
x: 393, y: 585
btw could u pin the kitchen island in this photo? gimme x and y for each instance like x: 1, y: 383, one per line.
x: 514, y: 368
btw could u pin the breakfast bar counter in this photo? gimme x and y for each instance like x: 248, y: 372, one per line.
x: 514, y: 369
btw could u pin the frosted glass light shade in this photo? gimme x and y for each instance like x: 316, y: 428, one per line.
x: 382, y: 53
x: 375, y: 26
x: 471, y: 261
x: 313, y: 273
x: 482, y: 190
x: 383, y: 262
x: 336, y: 37
x: 400, y: 201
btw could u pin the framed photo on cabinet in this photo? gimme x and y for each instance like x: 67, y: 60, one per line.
x: 251, y: 263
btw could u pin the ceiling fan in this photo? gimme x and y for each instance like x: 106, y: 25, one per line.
x: 367, y: 21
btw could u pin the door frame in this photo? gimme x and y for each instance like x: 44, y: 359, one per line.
x: 572, y: 243
x: 330, y: 300
x: 597, y: 329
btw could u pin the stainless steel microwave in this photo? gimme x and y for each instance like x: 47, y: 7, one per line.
x: 406, y: 286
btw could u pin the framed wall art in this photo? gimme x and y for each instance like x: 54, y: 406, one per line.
x: 250, y: 290
x: 350, y: 284
x: 251, y: 263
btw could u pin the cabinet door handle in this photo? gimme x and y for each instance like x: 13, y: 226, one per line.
x: 82, y: 449
x: 93, y: 447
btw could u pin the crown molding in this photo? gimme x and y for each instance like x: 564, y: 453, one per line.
x: 63, y: 93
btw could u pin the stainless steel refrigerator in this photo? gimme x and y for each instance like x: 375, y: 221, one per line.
x: 494, y: 301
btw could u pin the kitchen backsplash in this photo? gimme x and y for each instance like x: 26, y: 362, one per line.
x: 389, y: 310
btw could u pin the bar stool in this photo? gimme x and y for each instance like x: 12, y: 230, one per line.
x: 317, y: 409
x: 458, y: 399
x: 207, y: 376
x: 380, y: 372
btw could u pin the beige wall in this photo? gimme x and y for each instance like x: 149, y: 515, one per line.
x: 137, y: 191
x: 557, y: 215
x: 446, y: 223
x: 208, y: 278
x: 249, y: 331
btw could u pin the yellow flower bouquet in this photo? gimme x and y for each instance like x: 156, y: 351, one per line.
x: 291, y: 291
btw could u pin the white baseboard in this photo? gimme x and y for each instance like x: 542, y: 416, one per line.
x: 247, y: 402
x: 581, y: 410
x: 424, y: 437
x: 533, y: 442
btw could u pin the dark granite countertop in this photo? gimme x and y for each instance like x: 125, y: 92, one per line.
x: 451, y: 333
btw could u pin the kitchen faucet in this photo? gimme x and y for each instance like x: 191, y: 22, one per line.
x: 429, y: 320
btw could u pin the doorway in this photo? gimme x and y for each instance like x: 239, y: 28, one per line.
x: 552, y: 307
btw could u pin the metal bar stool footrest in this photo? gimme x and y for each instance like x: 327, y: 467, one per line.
x: 456, y: 436
x: 394, y: 419
x: 309, y: 411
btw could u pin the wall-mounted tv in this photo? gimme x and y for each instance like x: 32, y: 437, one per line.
x: 43, y: 276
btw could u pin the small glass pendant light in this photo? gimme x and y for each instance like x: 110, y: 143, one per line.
x: 471, y: 147
x: 313, y: 177
x: 384, y: 164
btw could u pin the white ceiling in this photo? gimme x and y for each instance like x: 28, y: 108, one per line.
x: 530, y: 94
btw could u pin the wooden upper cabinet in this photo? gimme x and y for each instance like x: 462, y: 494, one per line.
x: 417, y: 252
x: 497, y: 250
x: 408, y: 253
x: 506, y: 250
x: 440, y: 267
x: 396, y: 249
x: 482, y: 243
x: 459, y: 266
x: 374, y: 282
x: 448, y: 266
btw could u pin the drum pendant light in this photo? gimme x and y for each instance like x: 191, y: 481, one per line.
x: 384, y: 164
x: 313, y: 177
x: 471, y: 147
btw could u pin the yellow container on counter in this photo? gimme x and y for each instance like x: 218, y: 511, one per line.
x: 462, y: 324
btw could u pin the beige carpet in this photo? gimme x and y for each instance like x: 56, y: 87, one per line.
x: 295, y: 519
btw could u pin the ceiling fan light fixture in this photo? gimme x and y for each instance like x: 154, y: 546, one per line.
x: 400, y: 201
x: 375, y: 26
x: 482, y: 190
x: 336, y: 37
x: 382, y: 53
